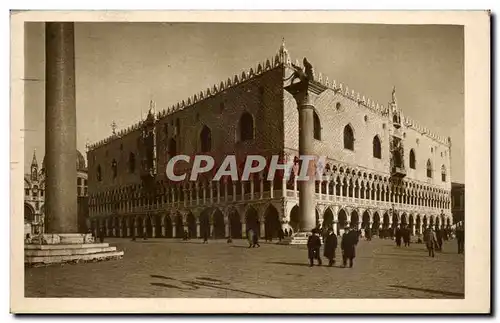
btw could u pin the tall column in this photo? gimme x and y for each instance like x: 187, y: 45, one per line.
x: 243, y: 229
x: 60, y: 129
x: 303, y: 95
x: 198, y: 233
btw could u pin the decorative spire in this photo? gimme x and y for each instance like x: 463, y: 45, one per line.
x: 284, y: 57
x: 113, y: 127
x: 34, y: 161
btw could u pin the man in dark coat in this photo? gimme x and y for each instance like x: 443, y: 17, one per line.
x: 330, y: 247
x: 460, y: 238
x: 313, y: 246
x: 440, y: 237
x: 101, y: 235
x: 348, y: 246
x: 368, y: 233
x: 406, y: 236
x: 206, y: 233
x: 398, y: 237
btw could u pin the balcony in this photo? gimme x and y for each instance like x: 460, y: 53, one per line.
x: 398, y: 172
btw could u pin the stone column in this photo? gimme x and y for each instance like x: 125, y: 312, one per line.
x: 211, y: 234
x: 243, y: 229
x: 262, y: 229
x: 303, y: 94
x: 198, y: 229
x: 226, y: 228
x: 60, y: 129
x: 174, y: 230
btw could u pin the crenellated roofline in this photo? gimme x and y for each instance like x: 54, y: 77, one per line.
x: 282, y: 58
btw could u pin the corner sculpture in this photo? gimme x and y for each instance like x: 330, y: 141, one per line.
x: 305, y: 75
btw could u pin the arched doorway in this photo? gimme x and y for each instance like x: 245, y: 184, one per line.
x: 234, y: 224
x: 179, y: 226
x: 411, y: 223
x: 205, y: 223
x: 149, y: 226
x: 437, y: 223
x: 29, y: 213
x: 295, y: 218
x: 219, y: 226
x: 354, y: 219
x: 157, y: 222
x: 167, y: 224
x: 272, y: 222
x: 328, y: 219
x: 191, y: 224
x: 431, y: 221
x: 366, y: 220
x: 252, y: 220
x: 342, y: 220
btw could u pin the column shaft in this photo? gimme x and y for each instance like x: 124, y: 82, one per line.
x: 60, y: 128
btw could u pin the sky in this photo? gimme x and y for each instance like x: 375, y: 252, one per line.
x: 120, y: 67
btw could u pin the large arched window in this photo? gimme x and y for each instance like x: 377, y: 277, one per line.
x: 172, y: 148
x: 114, y: 168
x: 412, y: 159
x: 205, y: 139
x: 348, y: 138
x: 317, y: 127
x: 377, y: 149
x: 246, y: 127
x: 443, y: 173
x: 131, y: 163
x: 429, y: 168
x: 99, y: 173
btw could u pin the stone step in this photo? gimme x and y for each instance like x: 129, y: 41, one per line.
x: 36, y: 260
x: 64, y: 246
x: 66, y: 252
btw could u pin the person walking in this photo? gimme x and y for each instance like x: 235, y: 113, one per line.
x: 460, y: 236
x: 439, y: 237
x: 430, y: 241
x: 206, y: 233
x: 101, y: 235
x: 406, y: 236
x: 250, y: 235
x: 313, y: 248
x: 348, y: 246
x: 398, y: 237
x: 330, y: 246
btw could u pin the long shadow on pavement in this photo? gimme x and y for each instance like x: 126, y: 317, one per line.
x: 298, y: 264
x: 433, y: 291
x: 206, y: 282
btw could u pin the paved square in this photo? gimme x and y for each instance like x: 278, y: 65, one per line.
x: 173, y: 268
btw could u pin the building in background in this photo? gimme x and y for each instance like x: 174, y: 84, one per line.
x: 384, y: 169
x: 34, y: 194
x: 458, y: 202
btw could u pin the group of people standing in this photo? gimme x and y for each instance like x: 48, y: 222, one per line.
x: 348, y: 244
x: 403, y: 234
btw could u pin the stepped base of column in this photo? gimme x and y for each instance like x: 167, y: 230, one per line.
x: 299, y: 238
x: 48, y: 249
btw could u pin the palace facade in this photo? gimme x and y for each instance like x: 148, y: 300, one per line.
x: 34, y: 195
x: 384, y: 169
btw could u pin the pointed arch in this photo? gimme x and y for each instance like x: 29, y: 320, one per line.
x: 246, y: 129
x: 443, y: 173
x: 172, y: 148
x: 429, y: 168
x: 317, y: 126
x: 205, y: 139
x: 412, y: 159
x: 348, y: 137
x: 377, y: 148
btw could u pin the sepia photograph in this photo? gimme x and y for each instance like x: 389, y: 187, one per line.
x: 247, y: 159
